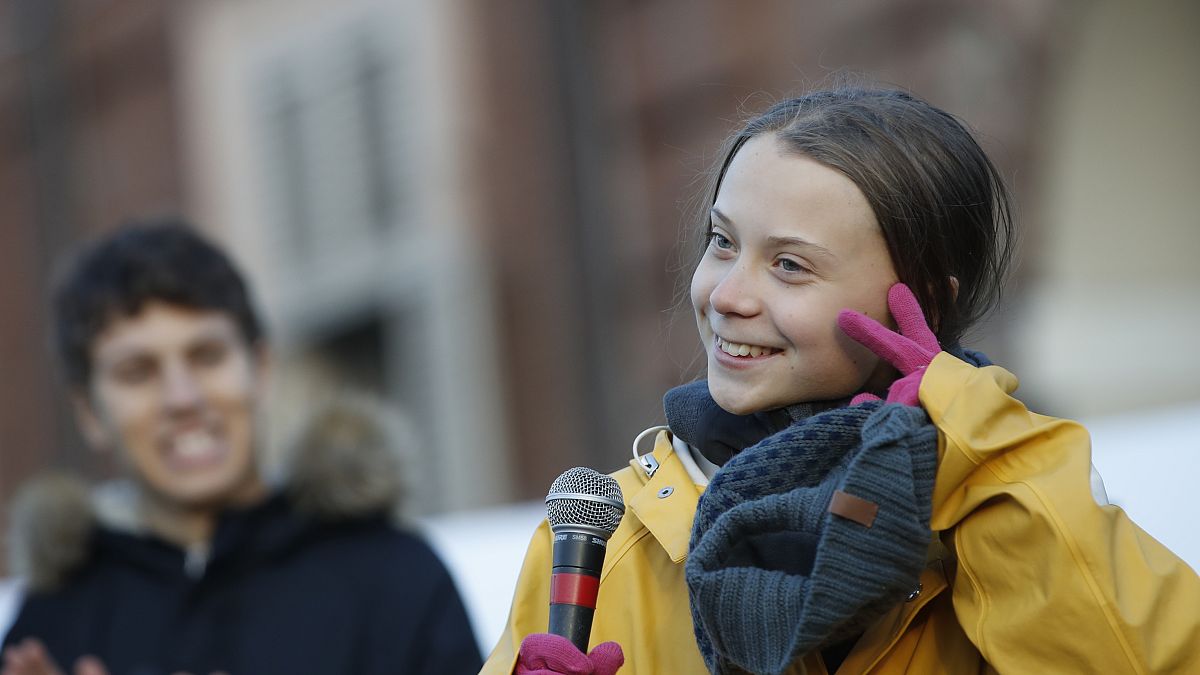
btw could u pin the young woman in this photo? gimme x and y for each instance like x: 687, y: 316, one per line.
x: 849, y: 490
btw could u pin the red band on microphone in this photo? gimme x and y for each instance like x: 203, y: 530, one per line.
x: 574, y: 589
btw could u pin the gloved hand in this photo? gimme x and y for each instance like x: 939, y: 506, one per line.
x: 910, y: 351
x: 548, y: 654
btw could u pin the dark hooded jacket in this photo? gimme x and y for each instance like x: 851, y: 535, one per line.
x: 316, y: 579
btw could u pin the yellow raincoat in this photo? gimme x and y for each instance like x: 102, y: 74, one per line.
x: 1026, y: 574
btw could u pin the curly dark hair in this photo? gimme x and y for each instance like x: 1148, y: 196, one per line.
x: 145, y: 260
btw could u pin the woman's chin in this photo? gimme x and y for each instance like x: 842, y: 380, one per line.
x: 742, y: 400
x: 738, y: 402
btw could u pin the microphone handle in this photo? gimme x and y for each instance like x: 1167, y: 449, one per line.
x: 575, y: 582
x: 573, y: 622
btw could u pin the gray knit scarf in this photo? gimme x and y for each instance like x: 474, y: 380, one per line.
x: 758, y: 611
x: 773, y: 572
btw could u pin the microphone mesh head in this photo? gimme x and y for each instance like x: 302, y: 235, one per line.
x: 596, y: 500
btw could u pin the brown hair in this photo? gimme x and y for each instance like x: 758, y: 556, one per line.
x: 942, y: 205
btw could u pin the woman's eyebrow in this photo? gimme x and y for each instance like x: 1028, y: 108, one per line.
x: 714, y: 212
x: 776, y: 241
x: 780, y: 242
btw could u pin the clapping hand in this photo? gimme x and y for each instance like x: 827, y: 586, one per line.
x: 29, y: 657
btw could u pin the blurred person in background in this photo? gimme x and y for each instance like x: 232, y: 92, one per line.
x: 850, y: 490
x: 194, y: 561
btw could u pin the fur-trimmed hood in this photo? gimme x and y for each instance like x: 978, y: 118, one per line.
x: 347, y: 463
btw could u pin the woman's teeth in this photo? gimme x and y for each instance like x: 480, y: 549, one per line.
x: 740, y: 349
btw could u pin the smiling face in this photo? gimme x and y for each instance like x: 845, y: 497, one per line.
x: 173, y: 390
x: 792, y: 243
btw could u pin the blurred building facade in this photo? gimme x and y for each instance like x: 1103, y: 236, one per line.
x: 89, y: 133
x: 480, y: 210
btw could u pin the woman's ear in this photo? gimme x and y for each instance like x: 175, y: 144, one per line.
x: 935, y: 318
x: 931, y: 312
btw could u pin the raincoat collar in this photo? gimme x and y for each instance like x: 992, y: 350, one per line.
x: 666, y: 500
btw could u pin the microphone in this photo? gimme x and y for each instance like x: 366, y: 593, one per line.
x: 584, y: 508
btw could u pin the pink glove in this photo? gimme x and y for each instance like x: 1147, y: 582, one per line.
x: 548, y: 654
x: 910, y: 351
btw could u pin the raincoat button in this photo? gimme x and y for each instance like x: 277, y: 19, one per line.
x: 665, y: 492
x: 916, y: 593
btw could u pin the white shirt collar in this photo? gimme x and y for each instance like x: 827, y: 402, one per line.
x: 697, y: 465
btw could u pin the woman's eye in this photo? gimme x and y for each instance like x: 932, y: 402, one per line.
x: 791, y: 266
x: 719, y: 240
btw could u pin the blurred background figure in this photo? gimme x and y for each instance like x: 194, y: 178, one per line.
x: 471, y: 210
x: 193, y: 559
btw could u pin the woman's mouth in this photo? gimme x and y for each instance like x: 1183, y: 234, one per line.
x: 743, y: 350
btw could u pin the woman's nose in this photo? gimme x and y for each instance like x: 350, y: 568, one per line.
x: 736, y: 293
